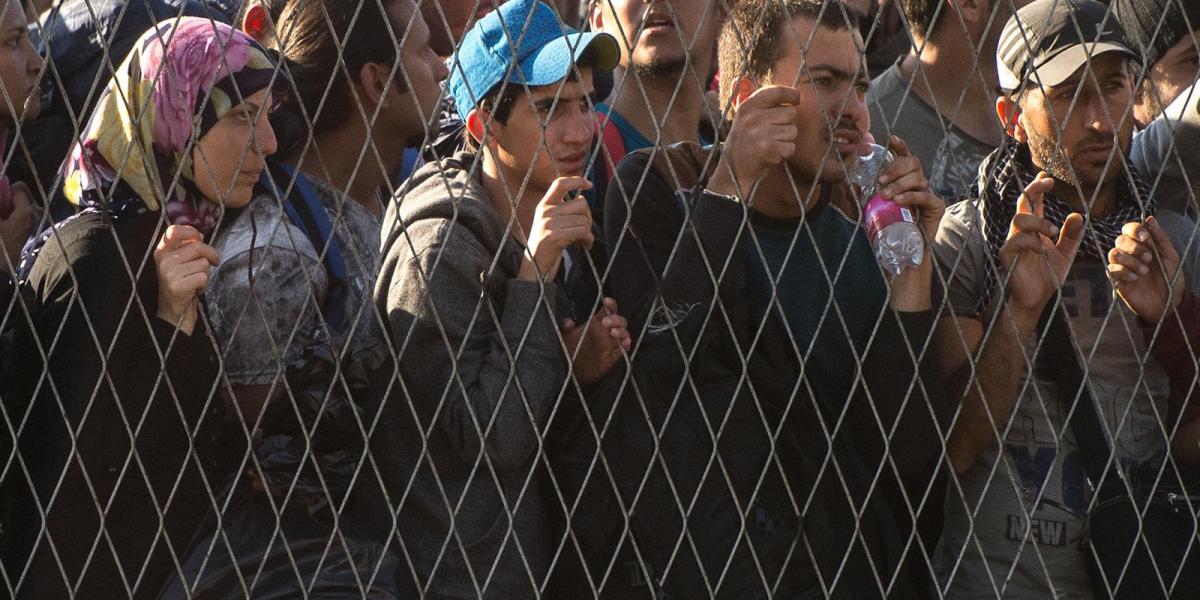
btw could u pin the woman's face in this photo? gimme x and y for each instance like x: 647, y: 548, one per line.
x: 229, y: 158
x: 19, y: 66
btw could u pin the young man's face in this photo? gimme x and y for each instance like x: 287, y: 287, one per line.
x: 19, y: 65
x: 1075, y: 127
x: 421, y: 71
x: 655, y: 37
x: 832, y: 115
x: 1178, y: 69
x: 548, y: 133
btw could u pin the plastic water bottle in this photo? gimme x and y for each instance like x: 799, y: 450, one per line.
x: 891, y: 228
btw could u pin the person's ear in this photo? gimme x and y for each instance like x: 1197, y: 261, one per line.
x: 1009, y: 112
x: 973, y: 11
x: 596, y: 15
x: 375, y: 79
x: 256, y: 22
x: 741, y: 91
x: 477, y: 124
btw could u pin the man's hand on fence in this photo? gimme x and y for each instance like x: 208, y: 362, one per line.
x: 182, y: 260
x: 1037, y: 264
x: 557, y: 224
x: 763, y: 135
x: 904, y: 182
x: 15, y: 229
x: 605, y: 338
x: 1143, y: 281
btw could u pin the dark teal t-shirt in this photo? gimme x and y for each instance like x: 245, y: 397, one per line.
x: 634, y: 140
x: 805, y: 259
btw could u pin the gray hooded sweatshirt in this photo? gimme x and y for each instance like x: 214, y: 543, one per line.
x: 479, y: 358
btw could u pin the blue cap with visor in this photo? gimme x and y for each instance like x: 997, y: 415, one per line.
x: 523, y: 42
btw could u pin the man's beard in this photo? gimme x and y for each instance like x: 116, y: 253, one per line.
x: 1047, y: 153
x: 1152, y: 99
x: 659, y: 68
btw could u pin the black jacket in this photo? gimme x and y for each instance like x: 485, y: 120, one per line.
x: 115, y: 412
x: 743, y: 477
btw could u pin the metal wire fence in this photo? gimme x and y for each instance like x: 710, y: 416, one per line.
x: 447, y: 299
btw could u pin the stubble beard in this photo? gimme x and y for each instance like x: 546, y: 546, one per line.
x: 657, y: 68
x: 1152, y: 99
x: 1047, y: 153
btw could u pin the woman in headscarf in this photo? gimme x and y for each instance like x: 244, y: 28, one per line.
x: 112, y: 390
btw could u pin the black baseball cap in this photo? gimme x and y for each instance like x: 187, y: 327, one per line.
x: 1047, y: 41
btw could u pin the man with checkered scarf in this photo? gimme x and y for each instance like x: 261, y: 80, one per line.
x: 1026, y: 251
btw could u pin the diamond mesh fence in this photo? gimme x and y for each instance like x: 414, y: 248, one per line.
x: 599, y: 299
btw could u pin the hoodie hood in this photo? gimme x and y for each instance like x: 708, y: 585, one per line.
x: 449, y: 190
x: 456, y: 312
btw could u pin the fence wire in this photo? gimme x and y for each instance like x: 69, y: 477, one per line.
x: 447, y: 299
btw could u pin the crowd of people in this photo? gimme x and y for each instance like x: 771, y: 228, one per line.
x: 515, y: 299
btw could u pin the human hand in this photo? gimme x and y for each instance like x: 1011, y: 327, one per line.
x: 1141, y: 266
x: 1036, y: 264
x: 182, y: 260
x: 763, y: 135
x: 16, y: 229
x: 904, y: 182
x: 597, y: 346
x: 557, y: 224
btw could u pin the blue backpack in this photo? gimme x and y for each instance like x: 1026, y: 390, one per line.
x: 305, y: 211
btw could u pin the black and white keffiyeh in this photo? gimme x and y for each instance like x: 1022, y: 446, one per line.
x: 1003, y: 177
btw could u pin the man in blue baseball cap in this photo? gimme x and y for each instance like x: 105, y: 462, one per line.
x: 479, y: 252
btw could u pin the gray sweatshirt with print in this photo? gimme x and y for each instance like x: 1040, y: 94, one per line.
x: 480, y: 367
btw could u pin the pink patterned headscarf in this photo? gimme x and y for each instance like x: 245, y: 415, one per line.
x: 177, y: 82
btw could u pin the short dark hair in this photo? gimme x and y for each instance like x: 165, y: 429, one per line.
x: 922, y: 15
x: 500, y: 100
x: 499, y: 103
x: 308, y: 36
x: 752, y: 37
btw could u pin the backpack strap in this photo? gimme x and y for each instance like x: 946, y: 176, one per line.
x: 611, y: 147
x: 1074, y: 394
x: 305, y: 211
x: 610, y: 137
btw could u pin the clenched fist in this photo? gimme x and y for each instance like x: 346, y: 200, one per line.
x: 557, y: 224
x: 16, y: 228
x: 182, y: 260
x: 762, y: 136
